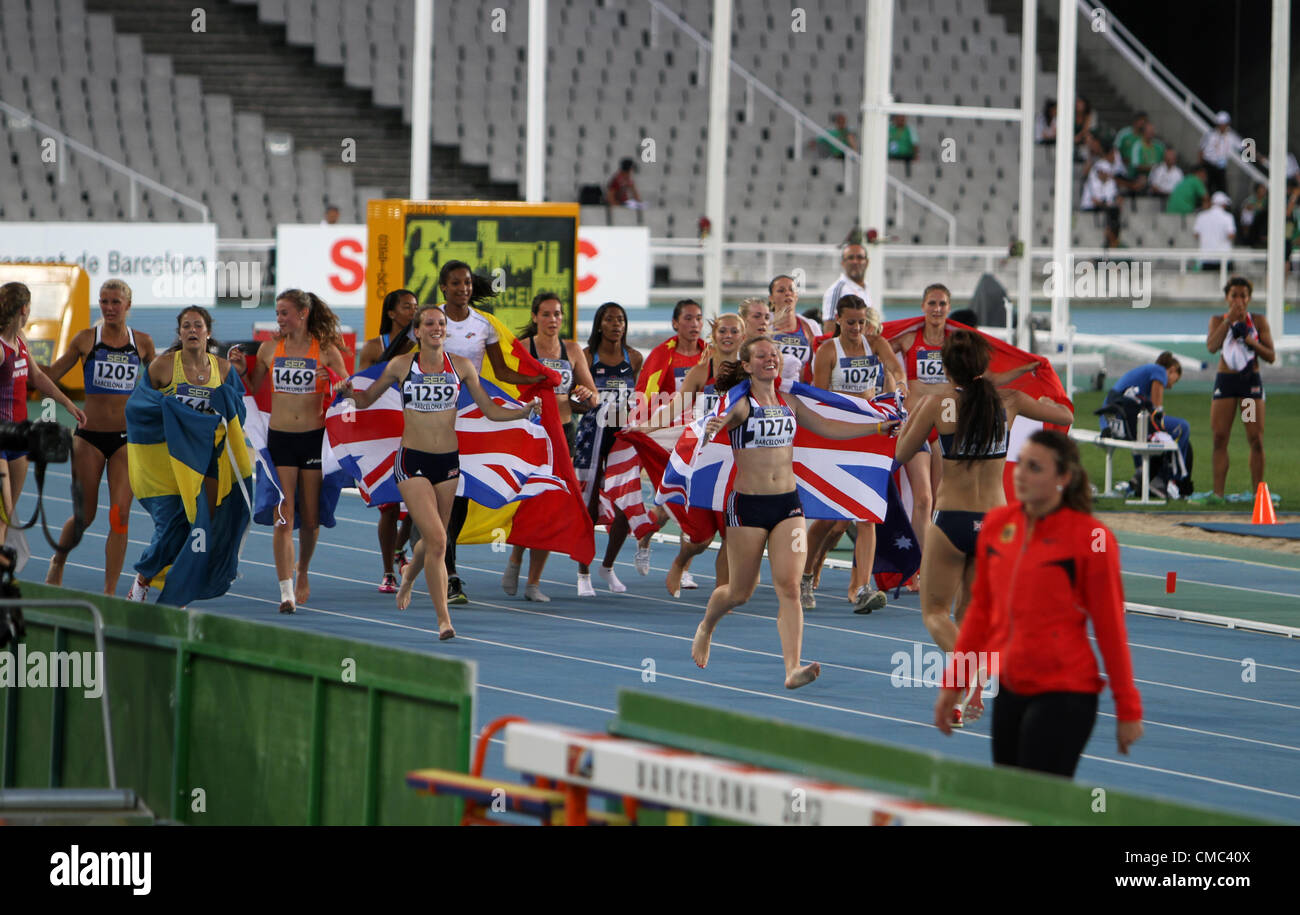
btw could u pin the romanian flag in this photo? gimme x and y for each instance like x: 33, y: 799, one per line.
x: 170, y: 447
x: 555, y: 520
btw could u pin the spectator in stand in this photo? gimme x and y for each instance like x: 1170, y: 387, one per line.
x: 902, y: 142
x: 1101, y: 194
x: 1215, y: 229
x: 852, y: 281
x: 621, y: 190
x: 1217, y: 146
x: 1189, y: 195
x: 1045, y: 126
x: 1143, y: 155
x: 331, y: 215
x: 1254, y: 217
x: 1085, y: 124
x: 840, y: 132
x: 1291, y: 227
x: 1129, y: 135
x: 1165, y: 176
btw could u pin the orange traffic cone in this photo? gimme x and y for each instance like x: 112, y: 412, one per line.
x: 1263, y: 513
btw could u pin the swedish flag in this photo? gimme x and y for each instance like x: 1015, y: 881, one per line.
x: 171, y: 448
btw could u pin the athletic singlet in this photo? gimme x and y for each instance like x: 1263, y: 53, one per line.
x: 856, y: 374
x: 111, y: 369
x: 297, y: 374
x: 997, y: 449
x: 796, y: 348
x: 706, y: 401
x: 431, y: 393
x: 198, y: 396
x: 561, y: 365
x: 767, y: 427
x: 13, y: 383
x: 925, y: 362
x: 616, y: 383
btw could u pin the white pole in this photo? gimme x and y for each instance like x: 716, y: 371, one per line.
x: 875, y: 138
x: 535, y: 142
x: 1277, y: 102
x: 421, y: 98
x: 1063, y: 260
x: 716, y: 174
x: 1028, y: 72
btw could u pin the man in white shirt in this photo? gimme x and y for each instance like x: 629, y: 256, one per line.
x: 1166, y: 175
x: 1101, y: 194
x: 852, y: 281
x: 1215, y: 228
x: 1217, y: 146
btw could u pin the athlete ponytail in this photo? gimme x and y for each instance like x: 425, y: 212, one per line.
x: 981, y: 418
x: 1077, y: 493
x: 322, y: 323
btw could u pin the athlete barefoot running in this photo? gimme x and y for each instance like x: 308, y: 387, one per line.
x: 428, y: 461
x: 763, y: 508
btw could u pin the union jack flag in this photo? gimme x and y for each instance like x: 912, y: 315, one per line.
x: 836, y: 480
x: 500, y: 462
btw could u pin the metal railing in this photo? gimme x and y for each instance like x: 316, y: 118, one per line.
x: 1160, y: 77
x: 20, y: 119
x: 801, y: 121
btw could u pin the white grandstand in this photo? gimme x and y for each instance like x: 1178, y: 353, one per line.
x: 263, y: 151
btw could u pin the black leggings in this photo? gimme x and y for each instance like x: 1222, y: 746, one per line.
x: 1046, y: 732
x: 459, y: 509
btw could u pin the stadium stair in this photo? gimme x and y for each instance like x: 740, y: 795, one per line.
x: 252, y: 63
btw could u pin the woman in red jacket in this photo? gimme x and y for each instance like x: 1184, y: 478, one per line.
x: 1044, y: 567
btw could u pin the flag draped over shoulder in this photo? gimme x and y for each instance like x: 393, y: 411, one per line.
x: 1042, y: 382
x: 518, y: 475
x: 170, y: 448
x: 365, y: 442
x: 656, y: 375
x: 269, y: 491
x: 836, y: 479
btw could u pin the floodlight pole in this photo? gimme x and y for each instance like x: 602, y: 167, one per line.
x: 716, y: 173
x: 421, y: 98
x: 1025, y: 224
x: 1277, y: 111
x: 535, y: 137
x: 874, y: 138
x: 1063, y: 259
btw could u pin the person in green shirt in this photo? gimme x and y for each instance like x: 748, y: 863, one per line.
x: 1127, y: 136
x: 1145, y: 154
x: 840, y: 132
x: 902, y: 139
x: 1189, y: 195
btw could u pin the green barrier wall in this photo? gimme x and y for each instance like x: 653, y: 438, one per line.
x: 928, y: 777
x: 273, y: 725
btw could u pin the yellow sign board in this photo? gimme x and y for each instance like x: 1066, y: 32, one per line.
x: 60, y: 310
x: 523, y: 248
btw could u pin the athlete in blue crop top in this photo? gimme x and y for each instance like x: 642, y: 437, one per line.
x: 428, y: 463
x: 398, y: 310
x: 763, y: 508
x: 113, y: 359
x: 970, y: 412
